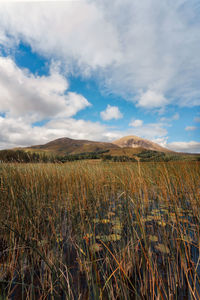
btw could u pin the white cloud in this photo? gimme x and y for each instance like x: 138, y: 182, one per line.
x: 190, y: 147
x: 151, y: 131
x: 160, y: 44
x: 15, y: 132
x: 190, y: 128
x: 136, y: 123
x: 34, y: 97
x: 147, y: 52
x: 3, y: 38
x: 78, y: 129
x: 74, y: 31
x: 26, y: 99
x: 162, y: 141
x: 152, y: 99
x: 168, y: 120
x: 175, y: 117
x: 111, y: 112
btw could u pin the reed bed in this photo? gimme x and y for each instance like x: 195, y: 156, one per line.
x: 97, y: 230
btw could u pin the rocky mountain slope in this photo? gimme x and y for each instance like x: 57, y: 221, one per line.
x: 135, y: 142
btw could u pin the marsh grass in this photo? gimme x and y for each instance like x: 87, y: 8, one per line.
x: 97, y: 230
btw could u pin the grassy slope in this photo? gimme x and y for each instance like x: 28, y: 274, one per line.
x: 65, y: 146
x: 127, y: 151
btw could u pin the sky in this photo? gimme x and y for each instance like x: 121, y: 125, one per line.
x: 100, y: 70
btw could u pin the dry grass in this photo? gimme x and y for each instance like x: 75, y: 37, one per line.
x: 87, y: 230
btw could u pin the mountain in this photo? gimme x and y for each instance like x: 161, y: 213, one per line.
x: 127, y: 146
x: 70, y: 146
x: 135, y: 142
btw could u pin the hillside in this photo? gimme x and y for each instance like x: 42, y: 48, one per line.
x: 126, y: 151
x: 63, y: 146
x: 137, y: 142
x: 129, y: 148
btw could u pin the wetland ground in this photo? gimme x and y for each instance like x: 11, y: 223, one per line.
x: 100, y: 230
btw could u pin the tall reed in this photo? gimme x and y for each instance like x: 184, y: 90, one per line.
x: 98, y: 230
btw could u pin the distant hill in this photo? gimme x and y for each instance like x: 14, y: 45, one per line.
x: 66, y: 145
x: 128, y: 146
x: 137, y: 142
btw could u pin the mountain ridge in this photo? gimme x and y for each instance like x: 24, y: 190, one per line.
x: 67, y: 145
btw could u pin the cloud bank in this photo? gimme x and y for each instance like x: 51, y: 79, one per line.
x: 146, y: 51
x: 190, y: 147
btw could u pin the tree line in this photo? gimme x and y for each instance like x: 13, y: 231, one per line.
x: 21, y: 156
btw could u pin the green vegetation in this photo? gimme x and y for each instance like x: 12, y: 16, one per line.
x: 98, y: 230
x: 119, y: 155
x: 21, y: 156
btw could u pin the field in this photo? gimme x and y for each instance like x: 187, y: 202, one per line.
x: 100, y: 230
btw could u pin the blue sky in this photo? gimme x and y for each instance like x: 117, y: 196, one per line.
x: 94, y: 70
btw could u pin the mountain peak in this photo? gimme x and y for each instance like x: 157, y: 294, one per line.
x: 135, y: 142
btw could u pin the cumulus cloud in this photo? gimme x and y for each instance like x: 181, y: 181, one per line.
x: 152, y: 99
x: 190, y: 128
x: 15, y: 132
x: 36, y: 97
x: 148, y: 52
x: 190, y: 147
x: 160, y: 43
x: 74, y: 31
x: 26, y: 99
x: 136, y: 123
x: 111, y: 112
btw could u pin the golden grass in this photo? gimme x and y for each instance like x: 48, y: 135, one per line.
x: 100, y: 230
